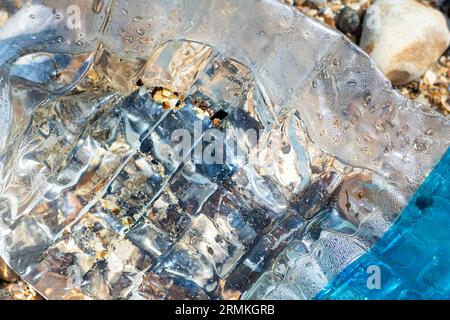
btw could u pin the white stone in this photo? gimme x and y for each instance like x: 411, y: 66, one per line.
x: 429, y: 78
x: 404, y: 37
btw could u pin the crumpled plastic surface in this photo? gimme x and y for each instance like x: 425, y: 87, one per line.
x: 94, y: 205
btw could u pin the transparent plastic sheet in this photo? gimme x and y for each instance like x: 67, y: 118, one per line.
x: 93, y: 204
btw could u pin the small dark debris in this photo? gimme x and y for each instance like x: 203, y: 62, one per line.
x: 424, y: 202
x: 219, y: 115
x: 146, y: 146
x: 139, y: 83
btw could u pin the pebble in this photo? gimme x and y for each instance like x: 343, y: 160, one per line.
x: 347, y: 20
x: 404, y: 38
x: 18, y: 291
x: 317, y: 3
x: 6, y: 274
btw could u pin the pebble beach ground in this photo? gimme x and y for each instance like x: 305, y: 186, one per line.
x: 432, y: 88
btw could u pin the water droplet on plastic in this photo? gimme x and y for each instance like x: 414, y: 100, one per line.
x: 368, y: 99
x: 419, y: 145
x: 97, y: 7
x: 127, y: 38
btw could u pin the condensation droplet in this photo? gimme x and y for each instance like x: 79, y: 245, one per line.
x: 368, y: 99
x: 419, y: 145
x: 97, y: 7
x: 144, y: 40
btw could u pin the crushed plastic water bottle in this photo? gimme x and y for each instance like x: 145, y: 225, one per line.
x: 195, y: 150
